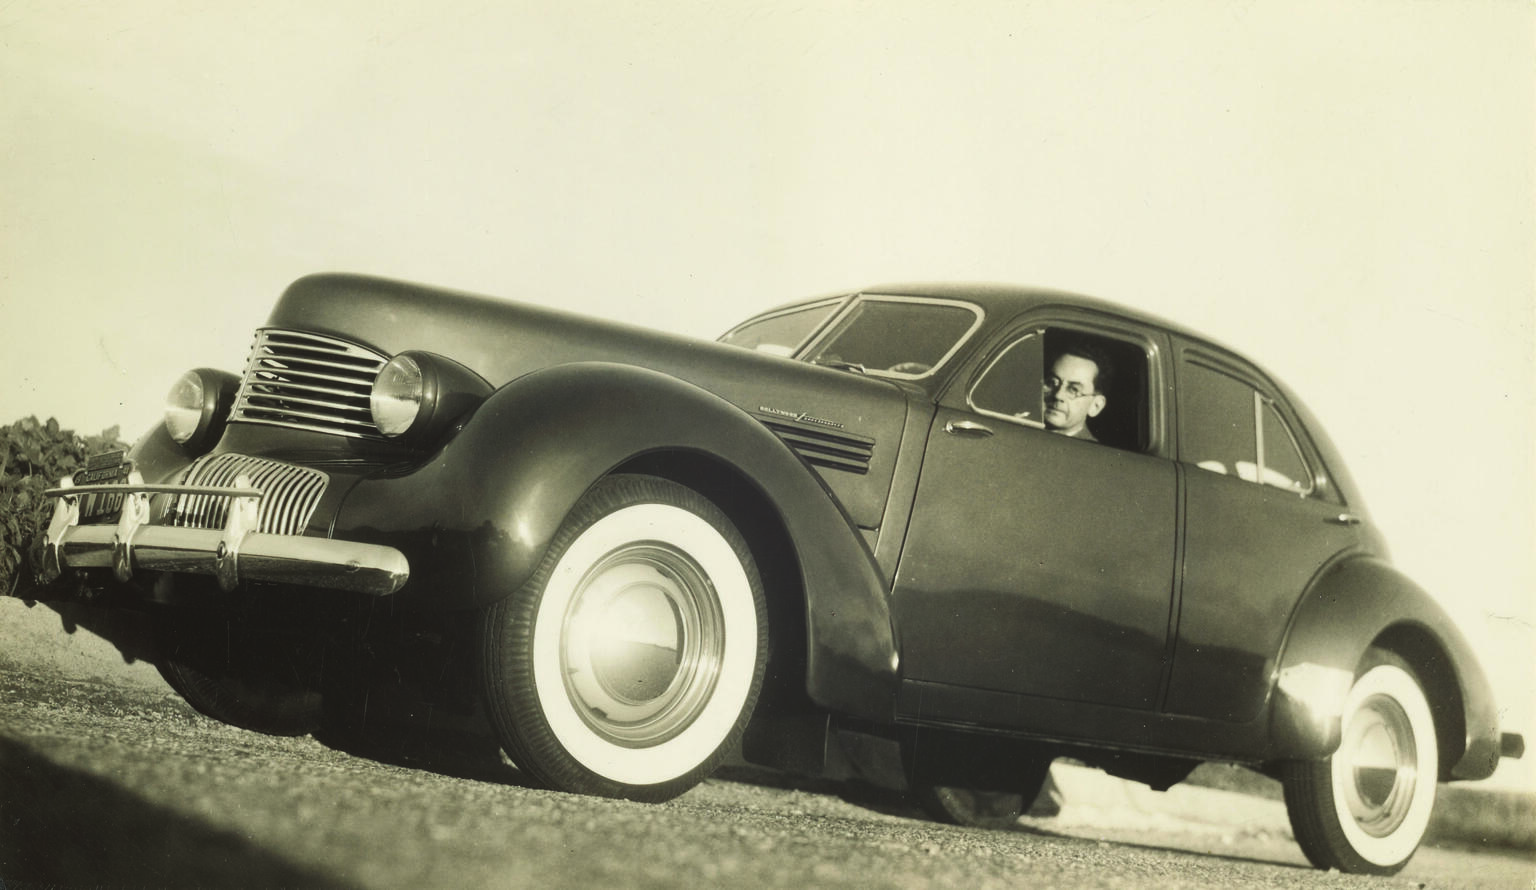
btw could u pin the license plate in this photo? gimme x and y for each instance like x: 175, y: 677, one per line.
x: 102, y: 469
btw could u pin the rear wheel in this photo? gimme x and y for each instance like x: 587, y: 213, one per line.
x: 1365, y: 809
x: 630, y: 662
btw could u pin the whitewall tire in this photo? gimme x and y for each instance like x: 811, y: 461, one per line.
x: 630, y: 662
x: 1366, y: 808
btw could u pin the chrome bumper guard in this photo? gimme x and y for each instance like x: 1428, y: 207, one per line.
x: 232, y: 554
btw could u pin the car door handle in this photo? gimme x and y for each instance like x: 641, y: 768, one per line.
x: 967, y: 428
x: 1344, y: 519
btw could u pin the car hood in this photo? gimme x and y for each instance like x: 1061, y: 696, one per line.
x: 503, y: 340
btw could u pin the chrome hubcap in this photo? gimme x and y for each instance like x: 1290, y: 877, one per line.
x: 1382, y: 764
x: 641, y: 644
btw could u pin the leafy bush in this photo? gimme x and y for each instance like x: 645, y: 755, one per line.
x: 34, y: 456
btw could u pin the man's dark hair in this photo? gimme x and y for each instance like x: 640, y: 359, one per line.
x: 1093, y: 352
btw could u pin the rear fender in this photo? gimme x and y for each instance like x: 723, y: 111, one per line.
x: 1363, y: 602
x: 477, y: 516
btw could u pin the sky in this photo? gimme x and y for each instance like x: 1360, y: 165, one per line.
x: 1343, y: 190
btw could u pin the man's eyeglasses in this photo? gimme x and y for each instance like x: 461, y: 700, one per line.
x: 1052, y: 385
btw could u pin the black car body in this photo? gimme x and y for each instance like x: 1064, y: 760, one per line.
x: 922, y: 560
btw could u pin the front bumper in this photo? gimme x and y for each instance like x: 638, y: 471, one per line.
x: 234, y: 554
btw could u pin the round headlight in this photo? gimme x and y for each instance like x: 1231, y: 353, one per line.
x: 397, y: 395
x: 184, y: 407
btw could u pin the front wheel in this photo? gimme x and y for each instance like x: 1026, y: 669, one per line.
x: 1365, y: 809
x: 236, y: 677
x: 630, y: 662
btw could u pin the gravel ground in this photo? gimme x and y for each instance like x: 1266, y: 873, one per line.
x: 108, y: 786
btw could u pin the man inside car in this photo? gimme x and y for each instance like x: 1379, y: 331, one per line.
x: 1074, y: 389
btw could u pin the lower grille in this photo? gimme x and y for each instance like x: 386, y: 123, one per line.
x: 289, y: 494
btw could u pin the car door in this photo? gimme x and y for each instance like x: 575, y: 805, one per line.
x: 1262, y: 522
x: 1038, y: 564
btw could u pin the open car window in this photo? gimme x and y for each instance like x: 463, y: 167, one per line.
x: 905, y: 337
x: 1010, y: 384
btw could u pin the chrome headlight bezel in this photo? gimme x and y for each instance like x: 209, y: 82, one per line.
x: 398, y: 394
x: 197, y: 407
x: 416, y: 396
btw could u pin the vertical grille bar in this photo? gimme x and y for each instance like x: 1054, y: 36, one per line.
x: 290, y: 493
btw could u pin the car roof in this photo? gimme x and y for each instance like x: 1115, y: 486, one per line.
x: 1004, y: 301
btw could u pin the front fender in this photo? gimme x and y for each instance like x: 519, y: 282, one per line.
x: 1360, y: 602
x: 157, y: 457
x: 476, y: 518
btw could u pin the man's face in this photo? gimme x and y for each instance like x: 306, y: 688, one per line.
x: 1070, y: 396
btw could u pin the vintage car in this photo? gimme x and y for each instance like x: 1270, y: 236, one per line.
x: 981, y: 526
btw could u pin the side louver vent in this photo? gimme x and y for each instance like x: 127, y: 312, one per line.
x: 289, y: 493
x: 823, y: 447
x: 309, y: 382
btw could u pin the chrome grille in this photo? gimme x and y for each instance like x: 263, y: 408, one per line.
x: 289, y: 494
x: 308, y: 382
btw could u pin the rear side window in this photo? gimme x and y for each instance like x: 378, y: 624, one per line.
x: 1218, y: 430
x: 1284, y: 466
x: 1229, y: 427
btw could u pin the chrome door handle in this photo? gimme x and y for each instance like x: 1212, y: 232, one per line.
x: 967, y: 428
x: 1344, y: 519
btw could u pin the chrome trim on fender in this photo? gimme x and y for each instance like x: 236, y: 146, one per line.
x: 821, y: 446
x: 234, y: 554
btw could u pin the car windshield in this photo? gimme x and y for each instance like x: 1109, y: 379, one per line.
x: 896, y: 336
x: 780, y: 333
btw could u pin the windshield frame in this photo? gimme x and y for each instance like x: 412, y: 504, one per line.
x: 832, y: 325
x: 811, y: 335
